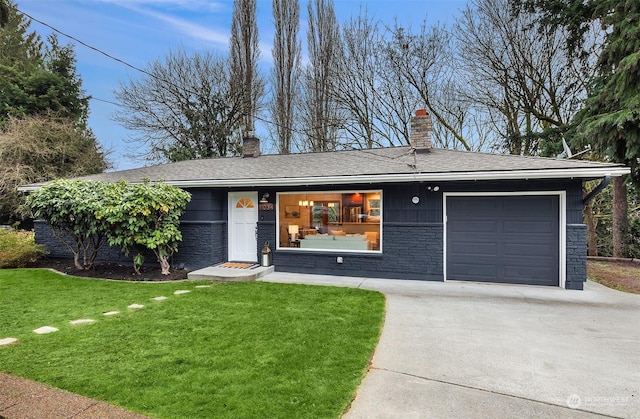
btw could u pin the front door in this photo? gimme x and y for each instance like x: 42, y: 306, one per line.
x: 243, y: 219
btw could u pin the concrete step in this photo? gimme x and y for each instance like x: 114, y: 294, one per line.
x: 220, y: 273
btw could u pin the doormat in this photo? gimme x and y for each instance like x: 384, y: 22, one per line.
x: 237, y: 265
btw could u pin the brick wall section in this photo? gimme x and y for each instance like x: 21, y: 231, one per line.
x: 411, y: 251
x: 203, y: 244
x: 421, y: 127
x: 44, y: 235
x: 266, y: 233
x: 576, y: 256
x: 250, y: 146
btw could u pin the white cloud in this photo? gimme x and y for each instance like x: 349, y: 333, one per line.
x: 204, y: 33
x: 183, y: 26
x: 190, y: 5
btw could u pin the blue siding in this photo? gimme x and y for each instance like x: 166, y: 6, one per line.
x: 412, y: 236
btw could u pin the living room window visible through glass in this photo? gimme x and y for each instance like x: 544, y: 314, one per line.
x: 330, y: 221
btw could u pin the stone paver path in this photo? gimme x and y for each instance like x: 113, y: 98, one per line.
x: 8, y: 341
x: 50, y: 329
x: 44, y: 330
x: 82, y: 321
x: 38, y: 401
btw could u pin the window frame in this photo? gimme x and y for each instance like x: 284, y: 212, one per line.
x: 308, y: 197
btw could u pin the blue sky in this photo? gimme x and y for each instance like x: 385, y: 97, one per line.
x: 141, y: 31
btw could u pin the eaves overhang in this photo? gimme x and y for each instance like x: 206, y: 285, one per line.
x: 409, y: 177
x: 576, y: 173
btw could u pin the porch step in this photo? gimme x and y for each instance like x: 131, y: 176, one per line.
x: 220, y: 273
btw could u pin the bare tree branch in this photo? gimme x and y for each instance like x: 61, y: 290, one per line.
x: 186, y: 110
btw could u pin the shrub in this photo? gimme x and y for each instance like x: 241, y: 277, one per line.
x: 17, y: 248
x: 133, y: 217
x: 69, y: 207
x: 144, y: 216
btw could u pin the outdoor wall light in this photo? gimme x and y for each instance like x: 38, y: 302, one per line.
x: 265, y: 198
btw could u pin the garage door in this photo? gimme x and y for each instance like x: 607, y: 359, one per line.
x: 508, y: 239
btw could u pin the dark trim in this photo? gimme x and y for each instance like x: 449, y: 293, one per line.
x: 203, y: 222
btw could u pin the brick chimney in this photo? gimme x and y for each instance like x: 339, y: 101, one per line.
x: 250, y: 146
x: 420, y: 134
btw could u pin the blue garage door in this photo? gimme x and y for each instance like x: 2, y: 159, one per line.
x: 508, y: 239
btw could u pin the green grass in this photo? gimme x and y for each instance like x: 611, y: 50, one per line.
x: 233, y: 350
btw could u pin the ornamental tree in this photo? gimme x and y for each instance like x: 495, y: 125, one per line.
x: 70, y: 207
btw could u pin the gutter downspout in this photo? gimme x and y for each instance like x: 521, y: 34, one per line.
x: 605, y: 182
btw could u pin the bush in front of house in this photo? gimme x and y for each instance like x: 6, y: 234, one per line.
x: 69, y: 207
x: 134, y: 217
x: 144, y: 216
x: 17, y: 248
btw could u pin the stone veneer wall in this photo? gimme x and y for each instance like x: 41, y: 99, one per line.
x: 576, y: 256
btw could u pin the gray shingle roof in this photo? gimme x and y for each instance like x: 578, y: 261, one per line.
x: 361, y: 166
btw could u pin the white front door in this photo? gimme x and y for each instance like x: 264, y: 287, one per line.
x: 243, y: 219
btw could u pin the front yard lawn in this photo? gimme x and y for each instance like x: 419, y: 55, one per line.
x: 232, y: 350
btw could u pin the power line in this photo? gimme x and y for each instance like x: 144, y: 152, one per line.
x: 121, y: 61
x: 104, y: 100
x: 86, y: 45
x: 143, y: 71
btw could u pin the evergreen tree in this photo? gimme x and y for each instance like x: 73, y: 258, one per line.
x: 4, y: 13
x: 43, y: 112
x: 610, y: 118
x: 18, y: 46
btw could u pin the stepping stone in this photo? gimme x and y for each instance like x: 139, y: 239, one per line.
x: 135, y: 306
x: 161, y: 298
x: 111, y: 313
x: 178, y: 292
x: 82, y: 321
x: 8, y: 341
x: 203, y: 286
x: 44, y: 330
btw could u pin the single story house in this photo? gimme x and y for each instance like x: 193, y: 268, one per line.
x: 401, y: 212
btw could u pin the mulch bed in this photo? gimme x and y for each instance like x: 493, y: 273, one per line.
x: 109, y: 270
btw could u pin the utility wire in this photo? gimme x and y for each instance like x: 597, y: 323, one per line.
x: 141, y: 70
x: 99, y: 51
x: 104, y: 100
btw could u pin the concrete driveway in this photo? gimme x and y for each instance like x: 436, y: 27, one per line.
x: 498, y: 351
